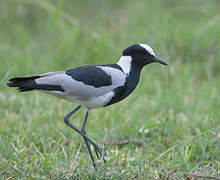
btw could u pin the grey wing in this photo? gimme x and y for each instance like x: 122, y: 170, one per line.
x: 85, y: 82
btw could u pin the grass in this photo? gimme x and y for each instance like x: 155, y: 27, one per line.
x: 173, y: 114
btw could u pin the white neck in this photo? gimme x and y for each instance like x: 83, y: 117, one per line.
x: 125, y: 63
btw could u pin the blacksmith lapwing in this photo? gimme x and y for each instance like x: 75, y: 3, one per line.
x: 92, y: 86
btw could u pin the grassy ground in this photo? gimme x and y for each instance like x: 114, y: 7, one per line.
x: 172, y: 120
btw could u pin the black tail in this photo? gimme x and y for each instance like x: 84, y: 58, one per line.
x: 23, y: 83
x: 29, y: 84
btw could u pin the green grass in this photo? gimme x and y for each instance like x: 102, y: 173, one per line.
x: 174, y: 113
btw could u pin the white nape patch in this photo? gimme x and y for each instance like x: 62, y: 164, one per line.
x: 125, y: 63
x: 148, y: 49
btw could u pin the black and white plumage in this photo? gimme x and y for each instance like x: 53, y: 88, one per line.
x: 93, y: 86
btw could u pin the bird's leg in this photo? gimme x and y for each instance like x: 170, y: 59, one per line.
x: 66, y: 120
x: 83, y: 130
x: 97, y: 150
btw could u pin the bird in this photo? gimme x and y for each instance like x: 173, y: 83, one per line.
x: 93, y: 86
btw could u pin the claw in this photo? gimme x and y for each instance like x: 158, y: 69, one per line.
x: 97, y: 154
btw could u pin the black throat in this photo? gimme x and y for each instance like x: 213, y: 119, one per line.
x: 131, y: 83
x: 132, y: 78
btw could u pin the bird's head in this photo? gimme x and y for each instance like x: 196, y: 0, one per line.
x: 141, y: 55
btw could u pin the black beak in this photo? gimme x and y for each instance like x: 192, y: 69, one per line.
x: 156, y: 59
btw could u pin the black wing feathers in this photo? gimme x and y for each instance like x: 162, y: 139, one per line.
x: 90, y: 75
x: 28, y: 84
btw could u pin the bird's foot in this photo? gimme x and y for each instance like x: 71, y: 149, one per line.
x: 99, y: 152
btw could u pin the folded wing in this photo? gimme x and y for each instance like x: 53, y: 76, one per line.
x: 81, y: 83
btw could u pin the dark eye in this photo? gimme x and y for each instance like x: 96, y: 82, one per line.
x: 145, y: 53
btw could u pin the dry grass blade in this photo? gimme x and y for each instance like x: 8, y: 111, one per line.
x: 124, y: 142
x: 73, y: 166
x: 202, y: 176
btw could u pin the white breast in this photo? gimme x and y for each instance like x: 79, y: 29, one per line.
x: 93, y: 102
